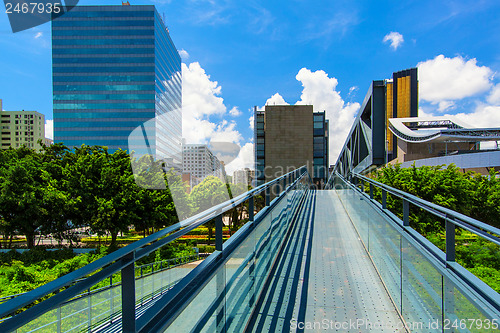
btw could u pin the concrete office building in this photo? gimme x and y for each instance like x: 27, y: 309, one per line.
x: 244, y: 176
x: 22, y: 128
x: 288, y: 137
x: 114, y: 69
x: 199, y: 161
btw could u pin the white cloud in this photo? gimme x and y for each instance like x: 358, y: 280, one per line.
x: 184, y: 54
x: 200, y: 101
x: 226, y: 132
x: 49, y: 129
x: 235, y: 112
x: 200, y: 92
x: 38, y: 35
x: 319, y: 90
x: 395, y: 38
x: 494, y: 96
x: 245, y: 159
x: 484, y: 115
x: 252, y: 122
x: 450, y: 79
x: 276, y: 99
x: 445, y: 105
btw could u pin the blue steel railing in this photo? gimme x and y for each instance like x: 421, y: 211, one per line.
x: 123, y: 260
x: 393, y: 246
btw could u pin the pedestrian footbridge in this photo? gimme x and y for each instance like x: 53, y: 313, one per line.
x: 310, y: 260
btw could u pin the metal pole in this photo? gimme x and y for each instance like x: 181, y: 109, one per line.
x: 371, y: 191
x: 250, y: 209
x: 218, y: 233
x: 220, y: 279
x: 89, y: 303
x: 59, y: 319
x: 384, y: 199
x: 267, y: 195
x: 450, y: 241
x: 406, y: 213
x: 128, y: 294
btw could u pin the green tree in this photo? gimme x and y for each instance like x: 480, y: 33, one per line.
x: 103, y: 183
x: 23, y: 203
x: 207, y: 194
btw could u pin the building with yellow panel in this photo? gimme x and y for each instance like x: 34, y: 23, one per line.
x: 370, y: 142
x: 401, y: 102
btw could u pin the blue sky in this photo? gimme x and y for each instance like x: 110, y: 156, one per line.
x: 239, y: 54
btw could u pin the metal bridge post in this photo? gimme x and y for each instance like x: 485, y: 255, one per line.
x: 89, y: 314
x: 250, y: 209
x: 128, y: 294
x: 450, y: 240
x: 218, y: 232
x: 406, y: 212
x: 384, y: 199
x: 267, y: 195
x: 362, y: 186
x: 59, y: 319
x: 371, y: 191
x: 220, y: 279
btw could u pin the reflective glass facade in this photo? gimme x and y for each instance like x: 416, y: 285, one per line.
x: 115, y: 68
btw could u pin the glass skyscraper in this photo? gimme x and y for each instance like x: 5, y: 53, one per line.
x: 115, y: 69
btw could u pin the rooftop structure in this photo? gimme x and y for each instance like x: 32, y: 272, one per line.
x: 435, y: 141
x: 440, y: 129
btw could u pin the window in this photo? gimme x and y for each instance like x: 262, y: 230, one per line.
x: 318, y: 161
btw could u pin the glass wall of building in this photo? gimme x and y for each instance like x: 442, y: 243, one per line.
x: 114, y: 69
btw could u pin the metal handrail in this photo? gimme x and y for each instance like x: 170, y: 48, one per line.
x: 452, y: 216
x: 123, y: 258
x: 452, y: 219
